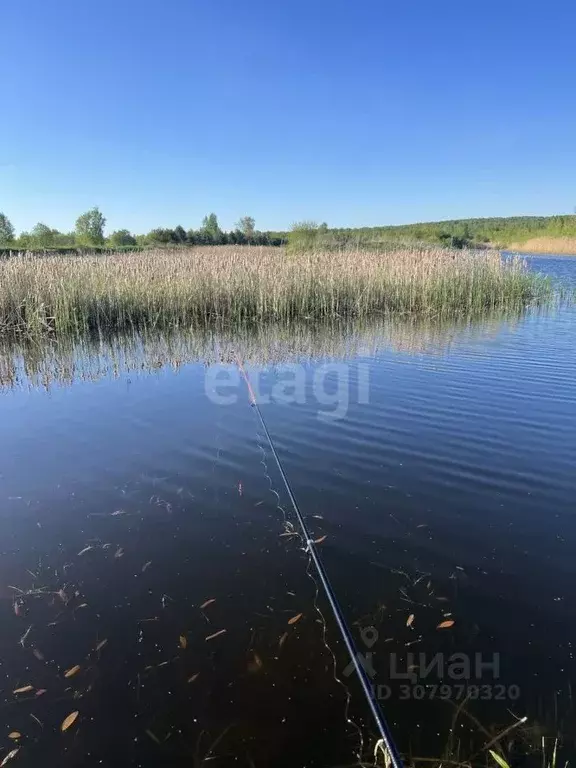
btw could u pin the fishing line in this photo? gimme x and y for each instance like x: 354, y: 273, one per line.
x: 383, y: 728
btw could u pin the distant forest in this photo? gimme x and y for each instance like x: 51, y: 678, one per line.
x: 457, y: 233
x: 89, y: 232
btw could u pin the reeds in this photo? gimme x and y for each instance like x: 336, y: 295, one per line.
x: 202, y: 286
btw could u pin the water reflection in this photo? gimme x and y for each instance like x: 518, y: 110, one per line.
x: 62, y: 361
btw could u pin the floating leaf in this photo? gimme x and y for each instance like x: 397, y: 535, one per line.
x: 183, y: 641
x: 72, y: 671
x: 320, y: 540
x: 446, y: 624
x: 68, y: 721
x: 86, y: 549
x: 296, y: 618
x: 40, y: 691
x: 216, y: 634
x: 101, y: 644
x: 9, y: 756
x: 24, y: 689
x: 193, y: 677
x: 207, y: 603
x: 15, y: 735
x: 410, y: 620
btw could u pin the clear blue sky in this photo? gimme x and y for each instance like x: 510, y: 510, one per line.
x: 356, y: 112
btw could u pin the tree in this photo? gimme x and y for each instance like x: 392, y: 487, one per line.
x: 24, y: 242
x: 163, y: 236
x: 42, y: 236
x: 90, y: 227
x: 122, y: 237
x: 247, y: 226
x: 6, y: 230
x: 180, y: 234
x: 211, y: 229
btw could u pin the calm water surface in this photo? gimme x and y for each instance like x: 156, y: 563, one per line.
x: 146, y: 538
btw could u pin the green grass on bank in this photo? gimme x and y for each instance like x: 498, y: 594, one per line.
x: 203, y: 286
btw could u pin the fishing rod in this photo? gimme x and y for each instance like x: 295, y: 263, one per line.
x: 383, y: 728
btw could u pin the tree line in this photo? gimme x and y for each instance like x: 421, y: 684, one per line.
x: 89, y: 232
x: 498, y: 232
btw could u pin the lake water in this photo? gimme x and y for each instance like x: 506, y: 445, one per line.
x: 147, y: 538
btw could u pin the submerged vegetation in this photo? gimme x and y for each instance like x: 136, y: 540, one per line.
x: 210, y: 286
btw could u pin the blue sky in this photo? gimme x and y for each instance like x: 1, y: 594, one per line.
x: 356, y: 113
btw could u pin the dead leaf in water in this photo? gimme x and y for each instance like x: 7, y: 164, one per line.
x: 256, y: 664
x: 72, y: 671
x: 216, y: 634
x: 446, y: 624
x: 320, y: 540
x: 86, y: 549
x: 24, y: 689
x: 101, y: 644
x: 68, y: 721
x: 282, y: 640
x: 193, y: 677
x: 41, y: 691
x: 15, y: 735
x: 296, y: 618
x: 410, y: 620
x: 207, y: 603
x: 183, y: 641
x: 9, y: 756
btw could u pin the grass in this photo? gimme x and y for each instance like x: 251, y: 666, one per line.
x: 228, y: 284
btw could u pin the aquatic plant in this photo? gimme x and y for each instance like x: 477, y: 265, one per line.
x: 203, y: 286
